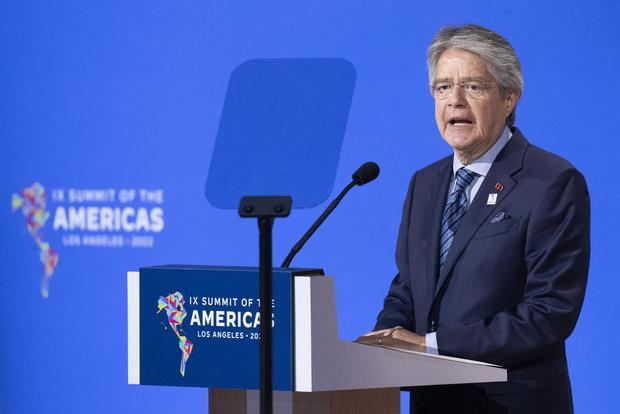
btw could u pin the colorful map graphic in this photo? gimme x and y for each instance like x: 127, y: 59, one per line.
x: 31, y: 201
x: 173, y: 304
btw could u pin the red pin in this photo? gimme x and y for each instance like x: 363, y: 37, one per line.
x: 499, y: 186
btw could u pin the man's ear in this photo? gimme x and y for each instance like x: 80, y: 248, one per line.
x: 511, y: 101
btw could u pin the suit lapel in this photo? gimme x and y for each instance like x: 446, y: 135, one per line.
x: 437, y: 196
x: 508, y: 161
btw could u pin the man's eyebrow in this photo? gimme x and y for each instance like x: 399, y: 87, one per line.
x: 474, y: 79
x: 463, y: 79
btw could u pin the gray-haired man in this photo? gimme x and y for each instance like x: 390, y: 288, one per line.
x: 493, y: 248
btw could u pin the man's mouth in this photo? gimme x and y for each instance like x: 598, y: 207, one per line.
x: 459, y: 121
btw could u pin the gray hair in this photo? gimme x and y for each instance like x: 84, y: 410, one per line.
x: 498, y: 55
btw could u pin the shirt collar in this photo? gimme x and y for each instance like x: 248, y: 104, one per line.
x: 482, y: 165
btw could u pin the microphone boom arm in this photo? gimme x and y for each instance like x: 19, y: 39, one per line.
x: 317, y: 223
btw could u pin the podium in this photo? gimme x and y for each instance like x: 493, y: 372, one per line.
x: 198, y: 326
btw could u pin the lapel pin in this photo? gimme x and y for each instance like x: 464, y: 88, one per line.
x: 499, y: 186
x: 492, y: 199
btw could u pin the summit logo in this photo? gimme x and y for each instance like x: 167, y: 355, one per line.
x: 88, y: 218
x: 174, y: 305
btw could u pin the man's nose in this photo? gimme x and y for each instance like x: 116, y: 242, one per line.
x: 457, y: 96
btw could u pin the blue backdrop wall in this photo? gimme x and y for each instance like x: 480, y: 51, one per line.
x: 125, y: 97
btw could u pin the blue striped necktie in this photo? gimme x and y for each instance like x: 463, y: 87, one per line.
x: 455, y: 209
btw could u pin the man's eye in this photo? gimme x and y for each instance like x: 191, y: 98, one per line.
x: 442, y: 87
x: 474, y: 86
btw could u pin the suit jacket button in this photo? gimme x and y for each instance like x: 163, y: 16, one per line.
x: 433, y: 326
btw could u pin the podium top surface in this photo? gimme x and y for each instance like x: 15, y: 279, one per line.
x: 306, y: 271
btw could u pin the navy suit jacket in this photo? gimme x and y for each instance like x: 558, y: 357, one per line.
x: 512, y: 286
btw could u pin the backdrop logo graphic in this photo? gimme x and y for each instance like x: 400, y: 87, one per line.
x: 89, y: 218
x: 31, y: 201
x: 173, y: 304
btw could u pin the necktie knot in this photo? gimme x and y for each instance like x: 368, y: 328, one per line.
x: 464, y: 177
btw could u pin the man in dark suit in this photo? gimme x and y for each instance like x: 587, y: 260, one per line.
x: 493, y: 248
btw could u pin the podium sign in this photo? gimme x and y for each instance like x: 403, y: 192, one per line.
x: 199, y: 326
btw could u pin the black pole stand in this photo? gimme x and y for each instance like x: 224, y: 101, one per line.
x: 265, y: 209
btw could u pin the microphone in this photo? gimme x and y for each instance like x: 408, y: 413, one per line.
x: 363, y: 175
x: 366, y: 173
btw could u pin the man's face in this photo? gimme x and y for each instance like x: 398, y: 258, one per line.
x: 470, y: 124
